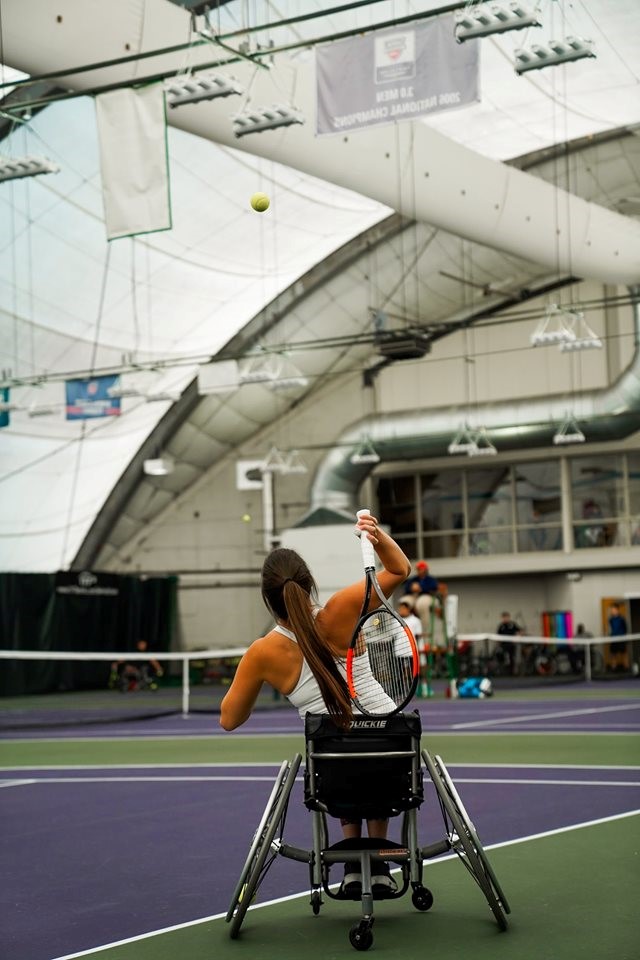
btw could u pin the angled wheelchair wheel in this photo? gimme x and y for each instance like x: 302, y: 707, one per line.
x: 464, y: 840
x: 263, y: 851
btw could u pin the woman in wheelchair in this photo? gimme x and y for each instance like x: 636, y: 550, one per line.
x: 303, y: 656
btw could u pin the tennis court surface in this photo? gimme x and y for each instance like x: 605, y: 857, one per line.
x: 125, y: 840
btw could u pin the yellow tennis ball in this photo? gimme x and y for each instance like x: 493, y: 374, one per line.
x: 260, y: 202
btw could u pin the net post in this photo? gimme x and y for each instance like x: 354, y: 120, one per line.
x: 185, y: 686
x: 587, y: 662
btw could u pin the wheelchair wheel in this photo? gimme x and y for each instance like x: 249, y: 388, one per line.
x: 464, y: 840
x: 257, y: 863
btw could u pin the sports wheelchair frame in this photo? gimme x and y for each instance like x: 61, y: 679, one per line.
x: 372, y: 770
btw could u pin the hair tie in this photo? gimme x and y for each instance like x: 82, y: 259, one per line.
x: 287, y: 580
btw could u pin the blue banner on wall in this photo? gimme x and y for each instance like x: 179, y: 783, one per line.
x: 4, y: 414
x: 90, y: 398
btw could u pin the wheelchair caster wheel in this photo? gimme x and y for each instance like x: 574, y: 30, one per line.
x: 316, y: 902
x: 422, y: 898
x: 360, y: 935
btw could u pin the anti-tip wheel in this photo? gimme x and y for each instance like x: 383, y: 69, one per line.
x: 360, y: 936
x: 422, y: 898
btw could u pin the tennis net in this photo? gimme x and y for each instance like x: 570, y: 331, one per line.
x: 62, y: 688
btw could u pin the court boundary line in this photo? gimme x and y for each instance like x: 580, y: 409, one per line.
x: 455, y: 731
x: 296, y: 896
x: 278, y: 763
x: 27, y: 782
x: 555, y: 715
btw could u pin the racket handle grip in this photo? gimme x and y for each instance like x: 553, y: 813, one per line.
x: 368, y: 553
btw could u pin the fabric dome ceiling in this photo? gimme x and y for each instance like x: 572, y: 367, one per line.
x: 70, y: 302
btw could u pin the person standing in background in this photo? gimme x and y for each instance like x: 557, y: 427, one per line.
x: 618, y: 648
x: 506, y: 651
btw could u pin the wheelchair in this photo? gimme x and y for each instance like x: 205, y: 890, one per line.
x: 372, y: 770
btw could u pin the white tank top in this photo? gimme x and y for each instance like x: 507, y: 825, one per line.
x: 306, y: 696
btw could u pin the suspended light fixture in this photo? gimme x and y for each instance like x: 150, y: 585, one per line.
x: 11, y: 168
x: 169, y: 395
x: 118, y: 392
x: 42, y: 410
x: 552, y: 53
x: 263, y: 368
x: 569, y: 432
x: 265, y: 118
x: 585, y: 338
x: 482, y: 445
x: 275, y: 461
x: 365, y: 452
x: 554, y: 327
x: 159, y: 467
x: 288, y: 376
x: 190, y: 89
x: 463, y: 442
x: 294, y: 463
x: 487, y: 18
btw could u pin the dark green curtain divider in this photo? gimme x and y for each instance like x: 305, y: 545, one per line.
x: 80, y: 613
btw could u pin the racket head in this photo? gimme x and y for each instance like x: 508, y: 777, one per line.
x: 383, y: 664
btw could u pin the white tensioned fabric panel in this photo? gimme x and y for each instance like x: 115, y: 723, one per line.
x: 71, y: 302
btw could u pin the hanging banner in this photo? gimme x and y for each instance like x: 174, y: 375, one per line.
x: 395, y: 74
x: 4, y: 414
x: 87, y: 399
x: 132, y: 131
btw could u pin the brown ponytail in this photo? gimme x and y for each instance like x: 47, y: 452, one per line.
x: 288, y: 590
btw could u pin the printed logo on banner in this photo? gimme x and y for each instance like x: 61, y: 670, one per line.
x: 395, y: 57
x: 90, y: 398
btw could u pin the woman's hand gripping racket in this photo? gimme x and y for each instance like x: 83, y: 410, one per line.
x: 382, y: 661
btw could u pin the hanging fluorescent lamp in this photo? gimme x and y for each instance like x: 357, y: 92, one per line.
x: 585, y: 338
x: 553, y: 53
x: 169, y: 395
x: 265, y: 118
x: 569, y: 432
x: 260, y: 369
x: 275, y: 462
x: 463, y: 442
x: 554, y: 327
x: 159, y: 467
x: 295, y: 463
x: 365, y: 453
x: 483, y: 446
x: 11, y: 168
x: 42, y: 410
x: 487, y: 18
x: 204, y: 87
x: 118, y: 392
x: 288, y: 376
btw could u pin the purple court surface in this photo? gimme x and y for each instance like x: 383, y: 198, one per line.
x: 95, y: 855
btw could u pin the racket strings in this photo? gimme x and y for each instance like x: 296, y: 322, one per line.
x: 384, y: 665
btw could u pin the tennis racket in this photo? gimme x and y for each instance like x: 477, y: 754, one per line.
x: 382, y: 662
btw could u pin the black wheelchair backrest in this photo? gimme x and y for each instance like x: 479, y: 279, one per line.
x: 372, y: 770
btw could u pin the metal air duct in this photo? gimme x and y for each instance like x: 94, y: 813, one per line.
x: 611, y: 413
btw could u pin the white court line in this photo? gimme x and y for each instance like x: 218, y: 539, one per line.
x: 235, y: 779
x: 529, y: 717
x: 278, y: 763
x: 296, y: 896
x: 239, y: 779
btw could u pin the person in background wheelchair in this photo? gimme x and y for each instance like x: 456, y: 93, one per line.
x: 303, y: 656
x: 136, y: 675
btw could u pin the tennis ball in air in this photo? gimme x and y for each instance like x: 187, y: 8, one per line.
x: 260, y: 202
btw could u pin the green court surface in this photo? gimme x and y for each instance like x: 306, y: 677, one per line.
x: 592, y: 748
x: 571, y: 895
